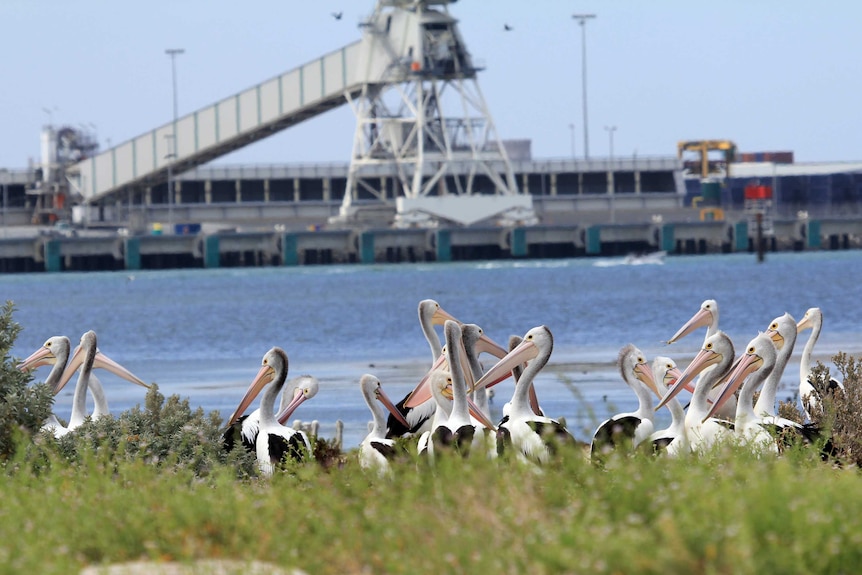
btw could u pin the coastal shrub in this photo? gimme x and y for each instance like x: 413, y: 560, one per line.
x: 23, y: 408
x: 841, y: 410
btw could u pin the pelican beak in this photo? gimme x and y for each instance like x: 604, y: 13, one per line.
x: 100, y: 361
x: 479, y: 416
x: 263, y: 377
x: 670, y: 378
x: 701, y: 361
x: 645, y: 376
x: 38, y: 358
x: 776, y: 337
x: 440, y: 316
x: 525, y: 351
x: 384, y: 399
x: 700, y: 319
x: 803, y: 324
x: 747, y: 365
x: 487, y: 345
x: 299, y: 398
x: 105, y: 362
x: 422, y: 392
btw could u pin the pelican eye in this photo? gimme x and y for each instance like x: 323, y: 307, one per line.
x: 669, y: 366
x: 641, y: 360
x: 707, y: 306
x: 774, y: 326
x: 708, y: 346
x: 751, y: 350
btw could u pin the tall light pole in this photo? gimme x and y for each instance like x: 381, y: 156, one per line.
x: 582, y: 20
x: 173, y: 53
x: 572, y: 130
x: 4, y: 177
x: 611, y: 183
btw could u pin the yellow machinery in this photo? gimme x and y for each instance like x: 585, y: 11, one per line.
x: 703, y: 147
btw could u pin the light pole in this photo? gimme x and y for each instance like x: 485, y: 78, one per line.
x: 4, y: 176
x: 582, y: 20
x: 572, y: 130
x: 173, y: 53
x: 611, y: 183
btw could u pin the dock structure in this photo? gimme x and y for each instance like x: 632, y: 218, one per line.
x: 90, y: 250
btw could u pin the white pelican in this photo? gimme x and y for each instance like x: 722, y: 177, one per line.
x: 87, y: 356
x: 470, y: 336
x: 274, y: 440
x: 458, y: 430
x: 247, y: 427
x: 717, y: 353
x: 808, y: 394
x: 706, y: 316
x: 419, y: 415
x: 454, y: 418
x: 55, y: 352
x: 421, y: 394
x: 752, y: 368
x: 625, y: 431
x: 665, y: 373
x: 376, y: 449
x: 532, y: 437
x: 782, y: 333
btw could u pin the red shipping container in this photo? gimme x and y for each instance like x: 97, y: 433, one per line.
x: 758, y: 192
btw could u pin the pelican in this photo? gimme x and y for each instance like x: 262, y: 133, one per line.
x: 782, y: 333
x: 627, y: 430
x: 533, y: 437
x: 706, y: 316
x: 419, y: 415
x: 700, y: 434
x: 421, y: 394
x: 753, y: 368
x: 376, y: 449
x: 458, y: 430
x: 808, y: 394
x: 247, y: 426
x: 274, y: 440
x: 470, y: 336
x: 55, y: 351
x: 665, y: 373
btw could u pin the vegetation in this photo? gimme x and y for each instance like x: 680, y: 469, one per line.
x: 155, y: 484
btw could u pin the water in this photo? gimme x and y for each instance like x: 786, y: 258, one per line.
x: 202, y: 333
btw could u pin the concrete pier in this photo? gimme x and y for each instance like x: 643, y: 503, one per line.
x: 90, y: 251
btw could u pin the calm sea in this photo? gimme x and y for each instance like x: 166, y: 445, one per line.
x: 202, y: 333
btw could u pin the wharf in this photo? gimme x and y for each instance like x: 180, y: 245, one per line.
x: 31, y: 249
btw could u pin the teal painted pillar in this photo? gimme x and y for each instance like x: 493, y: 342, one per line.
x: 667, y: 239
x: 211, y: 253
x: 52, y: 256
x: 444, y: 246
x: 132, y: 251
x: 519, y: 242
x: 812, y: 234
x: 366, y: 247
x: 290, y: 249
x: 740, y: 236
x: 594, y: 240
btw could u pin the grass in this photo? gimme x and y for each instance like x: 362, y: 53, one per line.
x: 155, y: 484
x: 726, y: 512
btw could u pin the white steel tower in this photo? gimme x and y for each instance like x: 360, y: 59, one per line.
x: 425, y: 142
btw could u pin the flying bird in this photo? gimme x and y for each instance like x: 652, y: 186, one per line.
x: 507, y: 28
x: 337, y: 15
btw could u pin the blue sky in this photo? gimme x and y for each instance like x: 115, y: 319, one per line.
x: 770, y: 75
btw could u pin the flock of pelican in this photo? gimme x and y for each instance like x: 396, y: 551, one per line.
x: 448, y: 410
